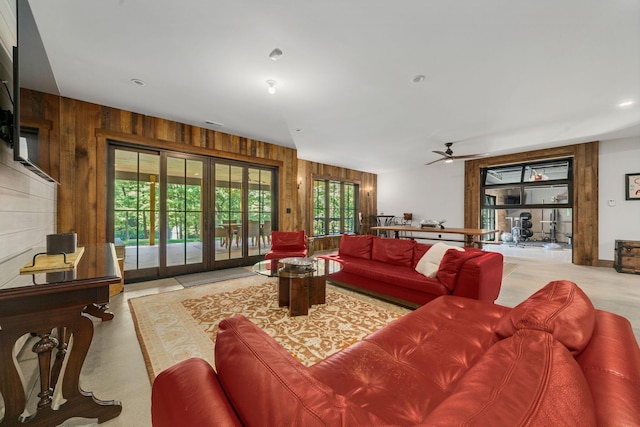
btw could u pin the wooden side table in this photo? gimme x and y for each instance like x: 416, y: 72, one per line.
x: 41, y: 307
x: 299, y: 290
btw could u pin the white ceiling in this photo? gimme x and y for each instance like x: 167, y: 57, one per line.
x: 501, y: 75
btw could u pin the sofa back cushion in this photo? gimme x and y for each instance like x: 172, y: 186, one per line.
x: 450, y: 265
x: 268, y: 387
x: 528, y: 379
x: 356, y: 246
x: 288, y: 240
x: 419, y: 251
x: 560, y: 308
x: 393, y: 251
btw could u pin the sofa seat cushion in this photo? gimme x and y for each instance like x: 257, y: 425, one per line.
x: 268, y: 387
x: 527, y: 379
x: 405, y: 370
x: 560, y: 308
x: 279, y: 254
x: 397, y: 275
x: 393, y: 251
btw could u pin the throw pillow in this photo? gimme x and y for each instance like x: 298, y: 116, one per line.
x: 451, y: 264
x: 430, y: 262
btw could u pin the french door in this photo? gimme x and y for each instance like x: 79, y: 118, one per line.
x: 176, y: 213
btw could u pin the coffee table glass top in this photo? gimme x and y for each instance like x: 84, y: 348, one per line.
x: 307, y: 267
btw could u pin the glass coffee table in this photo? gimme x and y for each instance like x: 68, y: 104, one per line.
x: 301, y: 281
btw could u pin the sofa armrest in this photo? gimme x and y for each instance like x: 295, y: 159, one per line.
x: 189, y: 394
x: 611, y: 365
x: 267, y: 386
x: 480, y: 277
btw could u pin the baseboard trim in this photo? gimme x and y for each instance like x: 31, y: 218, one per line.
x: 605, y: 263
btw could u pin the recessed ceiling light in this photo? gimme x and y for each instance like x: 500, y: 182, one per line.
x: 626, y: 104
x: 211, y: 122
x: 138, y: 82
x: 272, y: 86
x: 419, y: 78
x: 275, y: 54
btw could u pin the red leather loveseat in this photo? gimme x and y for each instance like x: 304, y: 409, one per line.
x: 387, y: 268
x: 552, y: 360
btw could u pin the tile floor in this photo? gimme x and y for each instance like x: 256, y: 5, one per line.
x: 115, y: 368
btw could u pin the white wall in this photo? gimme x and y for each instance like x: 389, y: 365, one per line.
x: 27, y: 213
x: 437, y: 192
x: 622, y: 221
x: 429, y: 192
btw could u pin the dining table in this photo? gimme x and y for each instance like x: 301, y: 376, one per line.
x: 470, y: 234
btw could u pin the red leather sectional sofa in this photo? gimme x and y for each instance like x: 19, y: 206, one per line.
x: 552, y: 360
x: 386, y: 268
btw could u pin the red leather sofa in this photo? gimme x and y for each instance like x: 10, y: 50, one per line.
x: 385, y: 267
x: 552, y: 360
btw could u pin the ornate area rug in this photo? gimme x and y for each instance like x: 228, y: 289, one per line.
x: 176, y: 325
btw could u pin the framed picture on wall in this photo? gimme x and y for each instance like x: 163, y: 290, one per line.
x: 632, y: 186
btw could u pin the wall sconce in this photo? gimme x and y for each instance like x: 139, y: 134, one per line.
x: 299, y: 182
x: 369, y: 192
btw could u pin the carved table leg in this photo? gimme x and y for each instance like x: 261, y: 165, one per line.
x: 43, y: 349
x: 63, y: 344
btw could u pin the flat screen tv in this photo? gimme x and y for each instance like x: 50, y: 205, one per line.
x: 27, y: 142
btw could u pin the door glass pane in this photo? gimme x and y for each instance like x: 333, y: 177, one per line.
x: 349, y: 207
x: 259, y: 211
x: 503, y: 175
x: 546, y: 195
x: 319, y: 207
x: 334, y: 207
x: 136, y: 207
x: 503, y: 195
x: 547, y: 171
x: 184, y: 211
x: 228, y: 211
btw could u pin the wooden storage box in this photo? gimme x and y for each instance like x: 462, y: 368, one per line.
x: 627, y: 256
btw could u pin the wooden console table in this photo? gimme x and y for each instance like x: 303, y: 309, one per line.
x: 469, y: 233
x: 57, y: 301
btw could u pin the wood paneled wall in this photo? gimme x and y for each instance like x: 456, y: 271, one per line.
x: 585, y: 193
x: 308, y: 171
x: 78, y: 160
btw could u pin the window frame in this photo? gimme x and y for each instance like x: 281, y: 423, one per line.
x: 346, y: 212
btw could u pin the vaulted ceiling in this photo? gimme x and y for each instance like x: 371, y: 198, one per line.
x: 499, y: 75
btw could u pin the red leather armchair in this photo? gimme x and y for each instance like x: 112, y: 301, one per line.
x: 286, y: 244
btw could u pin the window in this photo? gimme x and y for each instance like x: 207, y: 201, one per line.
x: 528, y: 201
x: 334, y: 207
x: 538, y: 184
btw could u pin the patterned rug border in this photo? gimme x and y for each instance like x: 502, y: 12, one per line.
x: 199, y: 345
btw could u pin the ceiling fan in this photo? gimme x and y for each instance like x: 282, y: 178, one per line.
x: 448, y: 156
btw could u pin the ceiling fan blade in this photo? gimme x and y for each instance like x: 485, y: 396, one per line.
x: 442, y: 153
x: 435, y: 161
